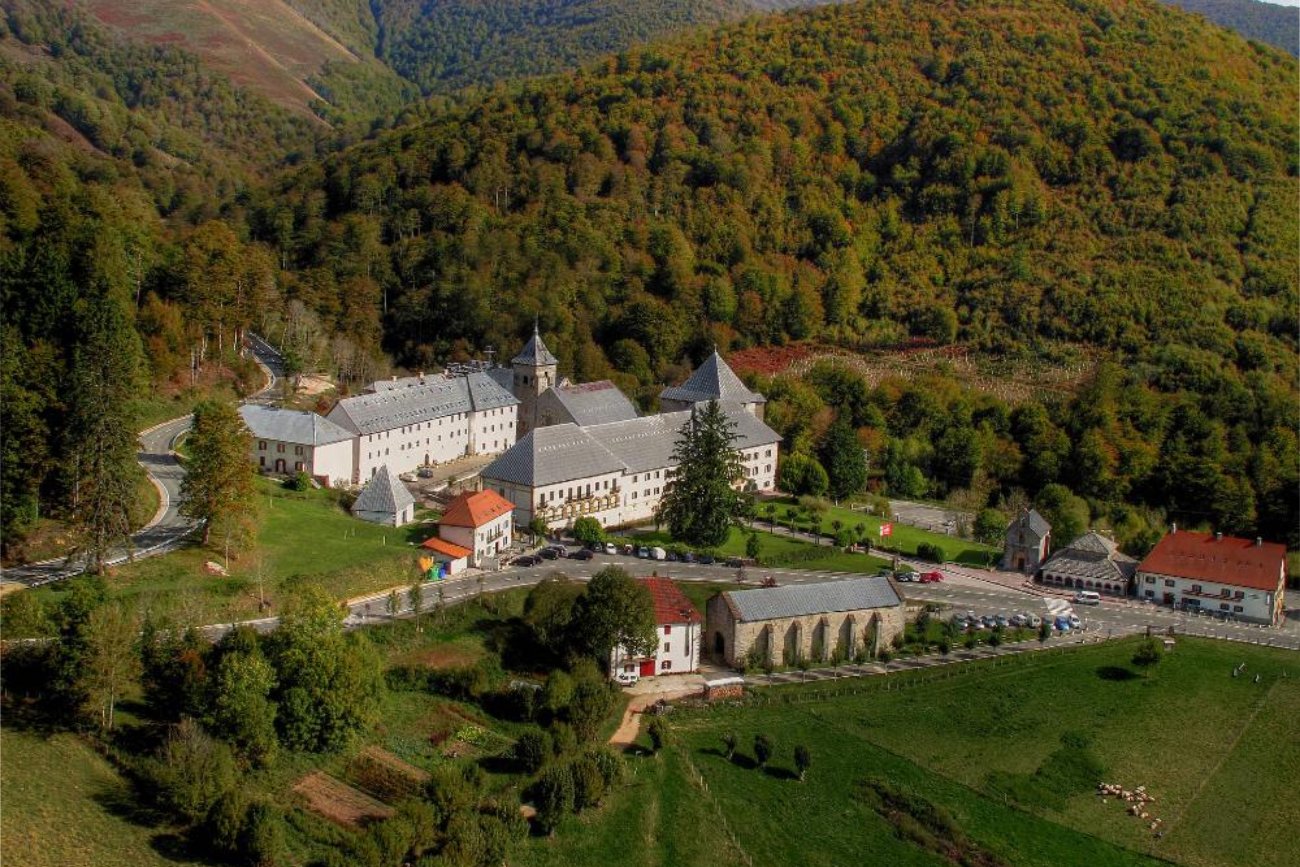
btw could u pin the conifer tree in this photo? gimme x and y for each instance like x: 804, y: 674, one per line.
x: 101, y: 429
x: 701, y: 501
x: 842, y: 458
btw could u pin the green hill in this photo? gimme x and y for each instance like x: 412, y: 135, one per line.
x: 1253, y: 19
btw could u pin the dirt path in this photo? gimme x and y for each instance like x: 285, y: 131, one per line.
x: 630, y: 727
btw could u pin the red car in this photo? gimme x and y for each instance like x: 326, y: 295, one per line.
x: 931, y: 577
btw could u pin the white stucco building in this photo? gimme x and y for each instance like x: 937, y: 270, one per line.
x: 447, y: 417
x: 677, y: 626
x: 480, y: 522
x: 286, y: 441
x: 616, y: 473
x: 1216, y: 574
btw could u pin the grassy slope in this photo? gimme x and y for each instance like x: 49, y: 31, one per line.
x: 904, y: 538
x: 65, y: 806
x: 304, y: 534
x: 1224, y: 798
x: 771, y: 545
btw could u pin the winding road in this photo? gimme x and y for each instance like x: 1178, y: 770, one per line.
x: 168, y: 528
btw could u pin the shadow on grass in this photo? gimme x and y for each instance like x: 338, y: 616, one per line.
x: 1116, y: 673
x: 780, y: 773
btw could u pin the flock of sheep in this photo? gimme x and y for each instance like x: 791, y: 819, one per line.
x: 1137, y: 799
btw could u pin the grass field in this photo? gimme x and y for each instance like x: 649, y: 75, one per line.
x: 1221, y: 755
x: 300, y: 534
x: 776, y: 548
x: 65, y: 806
x: 904, y: 538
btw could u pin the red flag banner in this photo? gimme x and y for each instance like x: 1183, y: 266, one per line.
x: 886, y: 530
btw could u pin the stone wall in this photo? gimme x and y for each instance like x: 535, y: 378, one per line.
x: 814, y: 637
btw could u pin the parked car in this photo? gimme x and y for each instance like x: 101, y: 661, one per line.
x: 629, y: 550
x: 688, y: 557
x: 584, y: 554
x: 658, y: 554
x: 1019, y: 620
x: 526, y: 560
x: 735, y: 562
x: 611, y: 548
x: 906, y: 575
x: 1075, y: 622
x: 1034, y: 621
x: 407, y: 477
x: 643, y: 553
x: 1087, y: 597
x: 425, y: 472
x: 1062, y: 624
x: 960, y: 623
x: 1001, y: 621
x: 931, y: 577
x: 884, y: 573
x: 706, y: 561
x: 989, y: 621
x: 548, y: 554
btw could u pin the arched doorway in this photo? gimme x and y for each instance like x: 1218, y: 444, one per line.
x: 1069, y: 582
x: 719, y: 646
x: 279, y: 465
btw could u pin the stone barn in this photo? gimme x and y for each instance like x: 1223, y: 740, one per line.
x: 781, y: 625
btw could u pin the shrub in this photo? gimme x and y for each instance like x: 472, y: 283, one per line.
x: 802, y: 760
x: 224, y: 826
x: 729, y: 744
x: 191, y: 772
x: 658, y: 732
x: 588, y: 531
x: 1147, y: 655
x: 262, y: 844
x: 930, y: 551
x: 763, y: 748
x: 554, y: 796
x: 884, y: 655
x: 299, y: 481
x: 563, y: 740
x: 588, y: 783
x: 610, y: 764
x: 592, y: 703
x: 449, y: 792
x: 532, y: 750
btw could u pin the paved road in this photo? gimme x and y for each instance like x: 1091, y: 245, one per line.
x: 960, y: 594
x: 168, y: 527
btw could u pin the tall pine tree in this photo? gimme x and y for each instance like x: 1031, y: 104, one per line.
x: 219, y: 478
x: 841, y: 455
x: 701, y: 501
x: 101, y: 435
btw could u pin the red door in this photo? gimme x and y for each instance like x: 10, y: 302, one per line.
x: 647, y: 668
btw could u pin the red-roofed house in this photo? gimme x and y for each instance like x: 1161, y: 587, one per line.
x: 455, y: 556
x: 677, y: 623
x: 480, y: 521
x: 1218, y: 574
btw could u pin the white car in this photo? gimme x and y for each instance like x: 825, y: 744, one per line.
x: 610, y: 548
x: 1087, y: 597
x: 1075, y: 622
x: 1034, y: 620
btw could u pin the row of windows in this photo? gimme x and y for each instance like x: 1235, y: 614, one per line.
x: 1224, y: 592
x: 279, y: 448
x: 428, y: 425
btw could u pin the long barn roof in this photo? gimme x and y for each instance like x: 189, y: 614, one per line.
x: 801, y: 600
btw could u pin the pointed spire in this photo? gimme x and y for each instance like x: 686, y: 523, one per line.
x: 535, y: 353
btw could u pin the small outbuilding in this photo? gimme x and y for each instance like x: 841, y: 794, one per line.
x: 453, y: 557
x: 1029, y: 538
x: 385, y: 500
x: 1090, y: 562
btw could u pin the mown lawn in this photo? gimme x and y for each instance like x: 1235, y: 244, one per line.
x: 776, y: 548
x: 300, y: 534
x: 65, y: 806
x: 904, y: 539
x: 1219, y: 753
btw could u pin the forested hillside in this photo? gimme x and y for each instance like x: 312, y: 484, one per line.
x: 1253, y: 19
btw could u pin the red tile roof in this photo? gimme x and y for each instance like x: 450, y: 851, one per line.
x: 671, y: 605
x: 442, y: 546
x: 1226, y: 560
x: 475, y: 509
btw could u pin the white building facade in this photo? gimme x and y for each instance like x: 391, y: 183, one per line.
x: 1221, y: 575
x: 446, y: 418
x: 677, y: 628
x: 286, y: 441
x: 481, y: 522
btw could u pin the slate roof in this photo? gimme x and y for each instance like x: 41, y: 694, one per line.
x: 404, y: 382
x: 560, y: 453
x: 671, y: 605
x: 590, y: 403
x: 291, y: 425
x: 1223, y: 560
x: 475, y: 508
x: 801, y: 600
x: 535, y: 352
x: 1033, y: 522
x: 1092, y: 556
x: 713, y: 380
x: 384, y: 493
x: 549, y: 455
x: 371, y: 413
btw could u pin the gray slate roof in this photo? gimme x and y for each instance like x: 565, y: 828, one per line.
x: 713, y: 380
x: 1093, y: 556
x: 371, y: 413
x: 535, y: 352
x: 801, y: 600
x: 559, y: 453
x: 550, y: 455
x: 587, y: 404
x: 384, y: 493
x: 291, y: 425
x: 1032, y: 521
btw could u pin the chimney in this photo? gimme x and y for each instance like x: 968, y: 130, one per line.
x: 1173, y: 528
x: 1259, y: 541
x: 1218, y: 537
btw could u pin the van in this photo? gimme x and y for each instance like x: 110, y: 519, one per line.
x: 1087, y: 597
x: 658, y: 554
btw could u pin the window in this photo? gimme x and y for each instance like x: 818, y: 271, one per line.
x: 1237, y: 608
x: 279, y: 448
x: 668, y: 648
x: 665, y: 665
x: 1151, y: 594
x: 261, y: 446
x: 262, y: 460
x: 1151, y: 579
x: 668, y: 630
x: 1223, y: 606
x: 1169, y: 582
x: 1196, y: 588
x: 1225, y: 592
